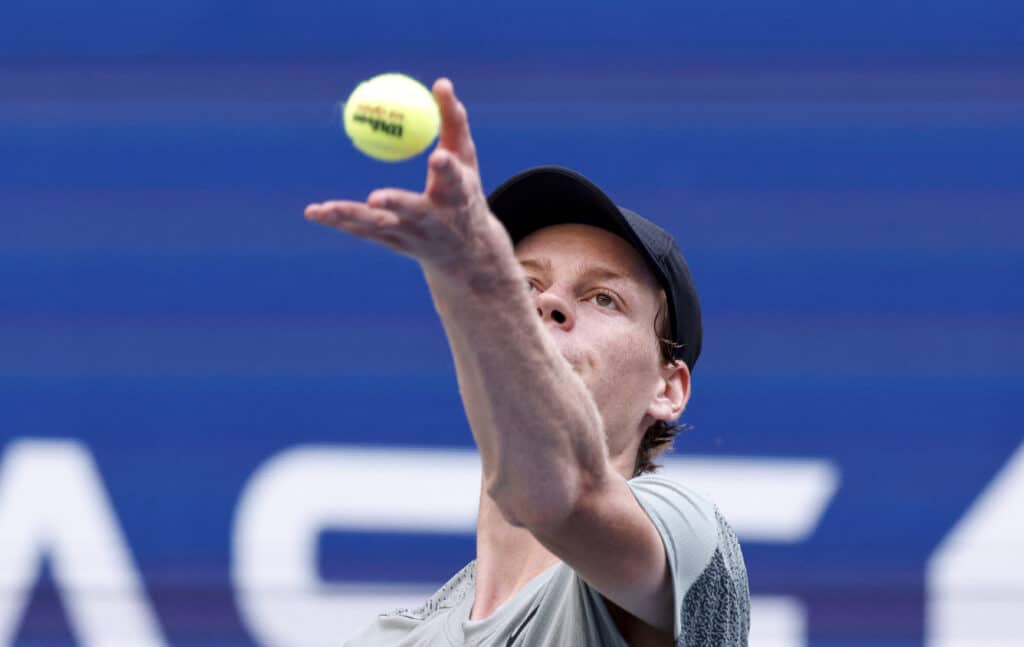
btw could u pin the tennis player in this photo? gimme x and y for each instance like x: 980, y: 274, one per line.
x: 574, y: 325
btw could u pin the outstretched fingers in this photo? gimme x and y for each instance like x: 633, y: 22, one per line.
x: 455, y: 135
x: 345, y: 214
x: 389, y: 216
x: 358, y: 219
x: 408, y: 205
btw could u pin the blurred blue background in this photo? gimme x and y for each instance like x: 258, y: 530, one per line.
x: 846, y: 180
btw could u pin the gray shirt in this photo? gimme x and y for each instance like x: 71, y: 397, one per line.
x: 558, y: 609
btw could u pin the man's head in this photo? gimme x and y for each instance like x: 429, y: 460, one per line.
x: 617, y: 297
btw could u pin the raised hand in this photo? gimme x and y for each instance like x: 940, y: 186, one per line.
x: 446, y: 226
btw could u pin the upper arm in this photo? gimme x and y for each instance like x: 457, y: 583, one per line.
x: 617, y: 547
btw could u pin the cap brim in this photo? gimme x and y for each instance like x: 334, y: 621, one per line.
x: 552, y: 195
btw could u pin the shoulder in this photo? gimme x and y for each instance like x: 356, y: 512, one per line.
x: 681, y: 514
x: 685, y: 518
x: 449, y: 595
x: 422, y: 624
x: 708, y: 571
x: 655, y: 485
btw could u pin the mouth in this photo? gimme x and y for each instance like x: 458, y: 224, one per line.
x: 575, y: 364
x: 575, y: 359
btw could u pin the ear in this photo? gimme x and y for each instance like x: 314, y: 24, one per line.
x: 673, y: 392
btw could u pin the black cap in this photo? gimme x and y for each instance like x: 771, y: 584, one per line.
x: 552, y: 195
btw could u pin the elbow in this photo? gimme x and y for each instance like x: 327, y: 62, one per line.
x: 540, y: 505
x: 531, y: 504
x: 540, y: 486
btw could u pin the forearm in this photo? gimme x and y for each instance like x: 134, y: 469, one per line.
x: 540, y: 435
x: 539, y: 432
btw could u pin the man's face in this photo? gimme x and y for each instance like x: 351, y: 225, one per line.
x: 599, y: 302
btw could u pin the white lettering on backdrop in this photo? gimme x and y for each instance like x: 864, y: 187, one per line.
x: 304, y: 491
x: 976, y: 576
x: 53, y: 505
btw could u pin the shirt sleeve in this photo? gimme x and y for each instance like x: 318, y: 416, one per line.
x: 688, y: 525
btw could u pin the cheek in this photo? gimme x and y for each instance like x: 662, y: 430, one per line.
x: 624, y: 360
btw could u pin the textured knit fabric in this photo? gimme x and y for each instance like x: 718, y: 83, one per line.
x: 558, y: 609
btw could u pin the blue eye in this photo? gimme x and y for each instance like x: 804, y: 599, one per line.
x: 604, y: 300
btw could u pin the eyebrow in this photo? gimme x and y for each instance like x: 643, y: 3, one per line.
x: 605, y: 274
x: 598, y: 272
x: 543, y: 264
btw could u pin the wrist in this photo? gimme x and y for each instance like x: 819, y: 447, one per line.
x: 485, y: 264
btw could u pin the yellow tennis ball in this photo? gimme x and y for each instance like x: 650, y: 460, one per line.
x: 391, y: 117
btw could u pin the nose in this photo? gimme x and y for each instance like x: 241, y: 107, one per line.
x: 552, y: 307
